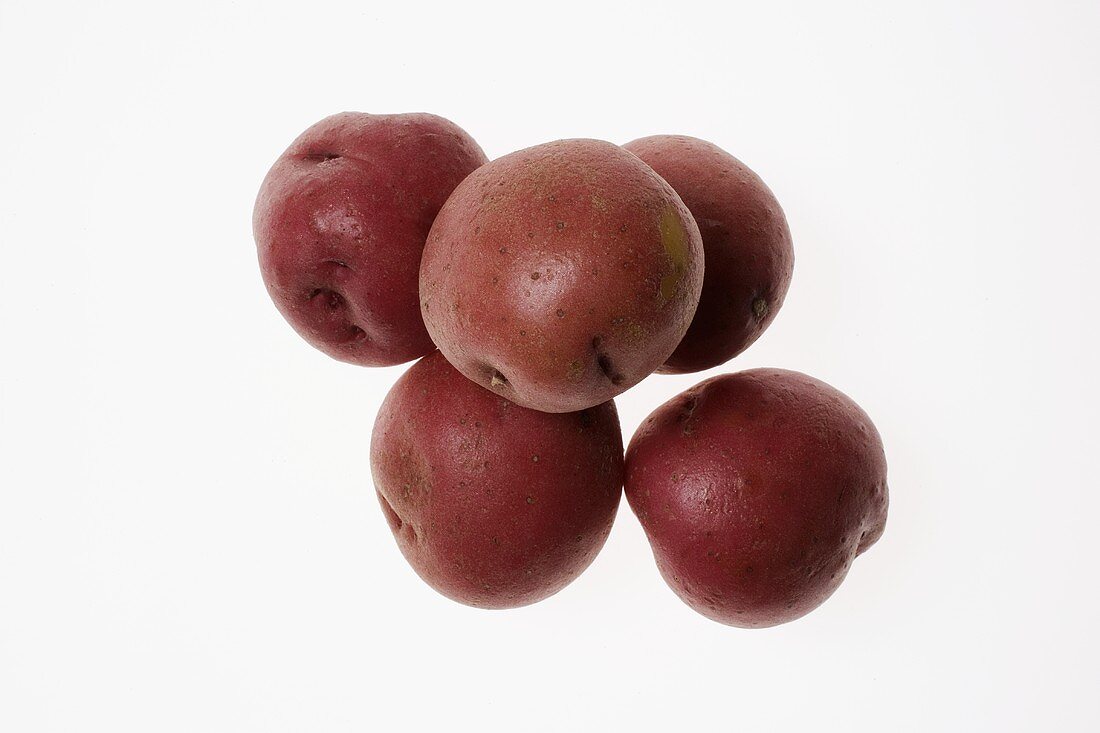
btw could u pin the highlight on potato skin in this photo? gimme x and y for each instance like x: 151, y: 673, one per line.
x: 757, y: 491
x: 561, y: 275
x: 492, y: 504
x: 340, y: 223
x: 747, y: 245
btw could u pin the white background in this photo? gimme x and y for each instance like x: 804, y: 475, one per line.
x: 189, y: 540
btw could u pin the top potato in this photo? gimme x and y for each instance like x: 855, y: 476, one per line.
x: 340, y: 223
x: 561, y: 275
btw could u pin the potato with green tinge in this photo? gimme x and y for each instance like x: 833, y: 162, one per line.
x: 340, y: 223
x: 757, y: 490
x: 747, y: 243
x: 561, y: 275
x: 492, y: 504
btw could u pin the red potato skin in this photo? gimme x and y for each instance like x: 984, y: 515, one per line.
x: 748, y: 248
x: 493, y: 505
x: 561, y: 275
x: 340, y: 223
x: 757, y: 490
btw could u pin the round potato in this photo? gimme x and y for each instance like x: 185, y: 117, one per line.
x: 561, y: 275
x: 492, y: 504
x: 340, y: 223
x: 747, y: 243
x: 757, y: 490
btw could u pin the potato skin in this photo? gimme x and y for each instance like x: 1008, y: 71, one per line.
x: 757, y: 490
x: 340, y: 223
x: 561, y: 275
x: 747, y: 242
x: 493, y: 505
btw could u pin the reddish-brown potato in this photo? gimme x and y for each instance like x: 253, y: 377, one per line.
x: 561, y: 275
x: 494, y: 505
x: 747, y: 243
x: 340, y: 223
x: 757, y: 490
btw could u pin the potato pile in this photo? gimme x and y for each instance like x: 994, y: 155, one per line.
x: 534, y: 289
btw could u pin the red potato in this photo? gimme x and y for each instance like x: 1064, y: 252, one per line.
x: 757, y: 490
x: 492, y: 504
x: 340, y: 223
x: 561, y: 275
x: 747, y: 243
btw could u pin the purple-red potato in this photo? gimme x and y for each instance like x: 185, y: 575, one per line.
x: 757, y: 490
x: 493, y: 505
x: 561, y: 275
x: 340, y: 223
x: 747, y: 243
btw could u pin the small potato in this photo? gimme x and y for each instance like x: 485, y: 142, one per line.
x: 340, y: 223
x: 747, y: 243
x: 757, y: 490
x: 492, y: 504
x: 561, y: 275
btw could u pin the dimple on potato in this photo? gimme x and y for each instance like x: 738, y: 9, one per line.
x: 494, y: 505
x: 561, y: 275
x: 757, y: 490
x: 746, y: 239
x: 340, y: 223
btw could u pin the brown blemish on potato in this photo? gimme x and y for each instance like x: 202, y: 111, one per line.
x: 575, y: 370
x: 687, y: 414
x: 390, y: 513
x: 603, y: 361
x: 609, y: 370
x: 320, y: 157
x: 760, y: 307
x: 397, y: 525
x: 674, y: 240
